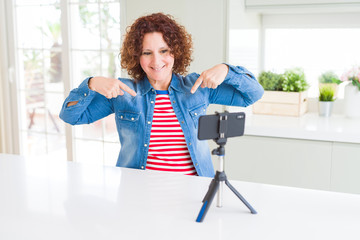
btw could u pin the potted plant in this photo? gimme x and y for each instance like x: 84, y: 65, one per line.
x: 271, y: 81
x: 326, y: 100
x: 294, y: 81
x: 352, y: 92
x: 285, y: 94
x: 329, y: 78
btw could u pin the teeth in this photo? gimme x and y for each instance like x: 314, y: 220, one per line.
x: 157, y: 69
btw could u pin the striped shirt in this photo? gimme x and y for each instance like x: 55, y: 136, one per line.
x: 167, y: 149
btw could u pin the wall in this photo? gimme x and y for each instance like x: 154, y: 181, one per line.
x: 240, y: 19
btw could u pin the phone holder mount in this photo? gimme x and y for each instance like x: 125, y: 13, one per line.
x: 217, y: 183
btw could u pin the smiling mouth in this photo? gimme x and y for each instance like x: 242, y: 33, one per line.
x: 158, y: 68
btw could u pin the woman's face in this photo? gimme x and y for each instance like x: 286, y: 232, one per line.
x: 156, y: 60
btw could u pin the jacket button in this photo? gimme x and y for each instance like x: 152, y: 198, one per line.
x: 195, y: 114
x: 182, y: 121
x: 85, y: 94
x: 145, y: 145
x: 152, y: 102
x: 174, y: 101
x: 142, y: 167
x: 190, y: 144
x: 132, y: 119
x: 149, y: 122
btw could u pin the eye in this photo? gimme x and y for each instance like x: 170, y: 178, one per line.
x: 164, y: 51
x: 146, y: 53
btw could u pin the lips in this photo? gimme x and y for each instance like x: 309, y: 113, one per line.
x: 157, y: 68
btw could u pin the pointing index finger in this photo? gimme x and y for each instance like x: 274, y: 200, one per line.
x: 127, y: 89
x: 197, y: 84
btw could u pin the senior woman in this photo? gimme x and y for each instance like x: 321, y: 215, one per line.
x: 157, y: 111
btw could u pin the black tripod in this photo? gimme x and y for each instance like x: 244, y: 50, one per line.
x: 220, y: 177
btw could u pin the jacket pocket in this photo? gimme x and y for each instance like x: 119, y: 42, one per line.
x: 196, y: 112
x: 128, y: 119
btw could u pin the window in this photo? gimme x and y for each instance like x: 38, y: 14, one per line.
x: 95, y: 43
x: 40, y: 86
x: 92, y: 43
x: 316, y: 50
x: 244, y: 48
x: 316, y: 42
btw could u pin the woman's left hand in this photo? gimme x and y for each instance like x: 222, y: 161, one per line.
x: 211, y: 78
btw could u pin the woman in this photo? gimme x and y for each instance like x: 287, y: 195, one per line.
x: 157, y: 111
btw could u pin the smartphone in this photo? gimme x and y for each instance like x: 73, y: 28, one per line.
x: 209, y: 125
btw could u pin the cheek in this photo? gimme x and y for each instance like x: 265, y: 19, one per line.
x: 171, y: 60
x: 142, y: 62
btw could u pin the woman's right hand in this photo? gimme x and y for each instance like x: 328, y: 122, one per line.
x: 109, y: 87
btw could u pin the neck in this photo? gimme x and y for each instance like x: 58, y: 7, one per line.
x: 160, y: 85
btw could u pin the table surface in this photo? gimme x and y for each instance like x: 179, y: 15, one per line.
x: 47, y: 199
x: 310, y: 126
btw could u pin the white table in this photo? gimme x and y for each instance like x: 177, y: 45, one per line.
x: 63, y: 200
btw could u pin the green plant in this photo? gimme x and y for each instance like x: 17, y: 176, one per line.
x: 326, y: 93
x: 294, y: 80
x: 329, y: 77
x: 271, y: 81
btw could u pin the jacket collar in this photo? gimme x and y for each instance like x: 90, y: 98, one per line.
x: 145, y: 85
x: 177, y: 83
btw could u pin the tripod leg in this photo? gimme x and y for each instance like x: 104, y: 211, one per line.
x: 252, y: 210
x: 214, y: 186
x: 208, y: 192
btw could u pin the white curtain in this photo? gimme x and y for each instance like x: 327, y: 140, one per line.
x: 2, y: 147
x: 2, y: 125
x: 7, y: 144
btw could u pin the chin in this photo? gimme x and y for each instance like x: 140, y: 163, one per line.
x: 161, y: 78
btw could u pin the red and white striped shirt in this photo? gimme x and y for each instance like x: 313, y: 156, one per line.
x: 167, y: 148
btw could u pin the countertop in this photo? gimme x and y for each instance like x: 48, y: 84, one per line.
x: 310, y: 126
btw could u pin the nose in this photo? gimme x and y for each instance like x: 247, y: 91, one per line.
x: 156, y: 60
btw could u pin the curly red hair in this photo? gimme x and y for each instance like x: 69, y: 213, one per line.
x: 175, y: 36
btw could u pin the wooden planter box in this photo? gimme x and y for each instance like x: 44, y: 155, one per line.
x: 282, y: 103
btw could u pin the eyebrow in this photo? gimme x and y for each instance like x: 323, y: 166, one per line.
x: 162, y: 48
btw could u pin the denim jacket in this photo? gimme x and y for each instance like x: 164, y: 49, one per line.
x: 134, y: 114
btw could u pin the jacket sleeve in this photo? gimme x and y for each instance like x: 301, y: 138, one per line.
x: 91, y: 106
x: 240, y: 88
